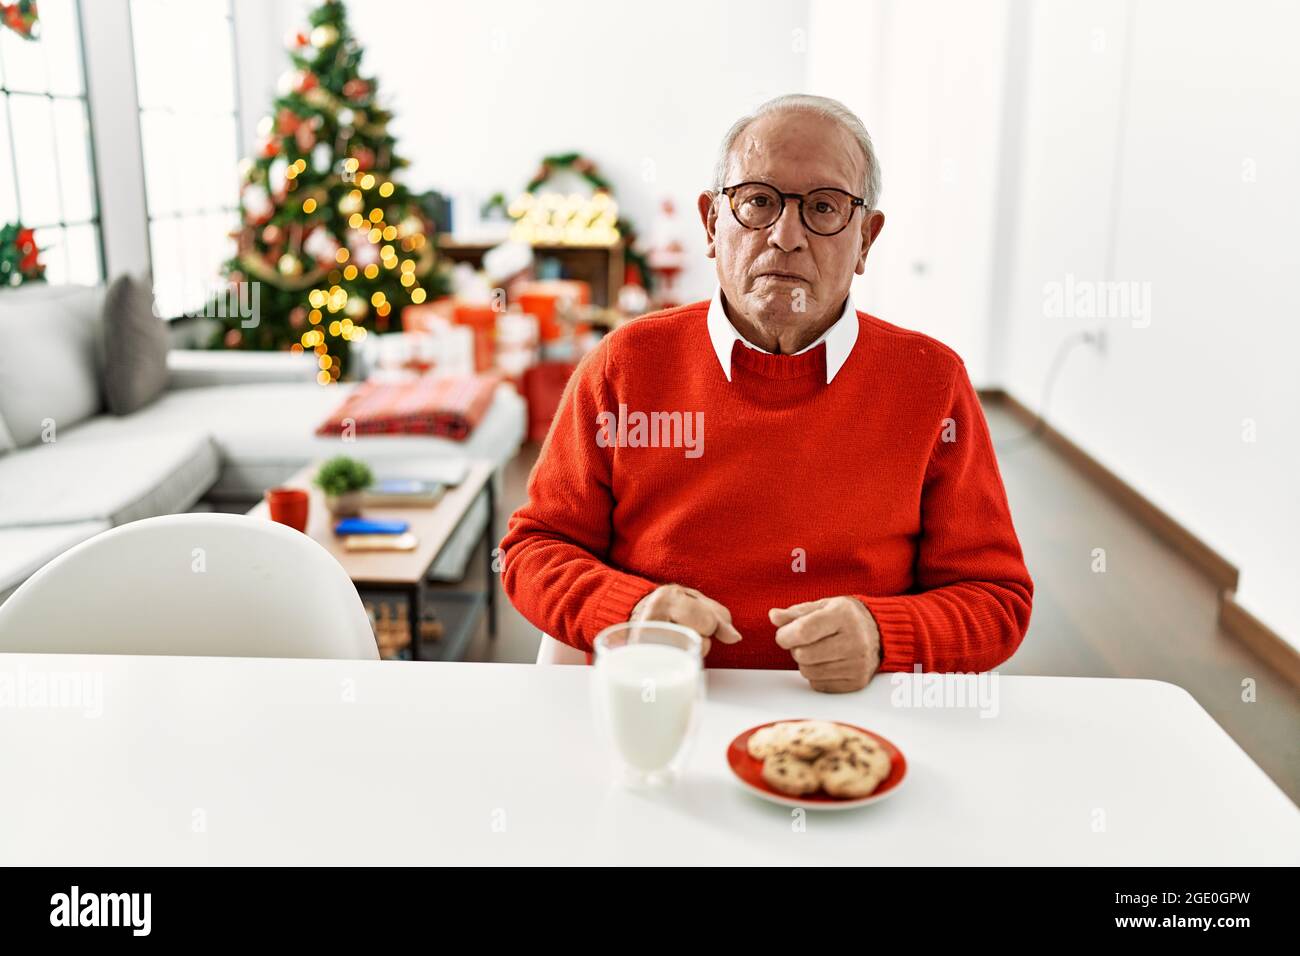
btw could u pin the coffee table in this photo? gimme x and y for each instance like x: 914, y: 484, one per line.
x: 404, y: 572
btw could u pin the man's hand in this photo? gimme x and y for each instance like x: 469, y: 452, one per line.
x: 835, y: 641
x: 687, y: 606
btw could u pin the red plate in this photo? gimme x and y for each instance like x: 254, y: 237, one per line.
x: 750, y: 773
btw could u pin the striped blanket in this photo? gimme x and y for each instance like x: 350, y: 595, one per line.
x: 448, y: 406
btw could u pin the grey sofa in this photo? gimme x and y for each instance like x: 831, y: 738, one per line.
x: 229, y: 425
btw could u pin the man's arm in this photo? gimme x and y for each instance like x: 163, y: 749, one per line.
x: 556, y: 544
x: 975, y: 593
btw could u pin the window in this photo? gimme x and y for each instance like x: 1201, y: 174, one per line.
x: 46, y: 161
x: 185, y: 87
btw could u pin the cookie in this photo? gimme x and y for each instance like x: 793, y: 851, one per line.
x: 841, y: 778
x: 865, y: 749
x: 766, y: 741
x: 790, y: 775
x: 855, y: 768
x: 809, y: 739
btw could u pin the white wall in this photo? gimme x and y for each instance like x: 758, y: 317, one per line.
x: 482, y: 91
x: 260, y: 57
x: 926, y: 76
x: 1160, y: 147
x: 115, y: 120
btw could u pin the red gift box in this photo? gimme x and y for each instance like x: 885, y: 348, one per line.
x: 483, y: 320
x: 543, y: 388
x: 423, y: 318
x: 542, y: 299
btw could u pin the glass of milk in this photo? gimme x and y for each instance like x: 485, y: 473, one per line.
x: 647, y: 687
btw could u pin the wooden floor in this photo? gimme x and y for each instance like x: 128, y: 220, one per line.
x: 1150, y: 615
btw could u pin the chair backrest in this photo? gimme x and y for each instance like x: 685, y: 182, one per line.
x: 204, y: 585
x: 551, y: 651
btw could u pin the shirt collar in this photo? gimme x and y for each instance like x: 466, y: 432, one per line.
x: 839, y: 338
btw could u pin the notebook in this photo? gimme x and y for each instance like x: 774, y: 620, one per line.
x: 403, y: 493
x: 370, y: 526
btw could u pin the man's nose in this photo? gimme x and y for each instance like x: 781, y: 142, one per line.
x: 787, y: 233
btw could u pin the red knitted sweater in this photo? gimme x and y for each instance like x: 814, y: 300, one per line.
x: 882, y: 485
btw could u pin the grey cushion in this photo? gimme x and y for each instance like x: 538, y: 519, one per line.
x: 135, y: 346
x: 115, y: 481
x: 48, y: 361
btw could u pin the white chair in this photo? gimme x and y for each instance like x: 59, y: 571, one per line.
x: 207, y: 585
x: 551, y: 651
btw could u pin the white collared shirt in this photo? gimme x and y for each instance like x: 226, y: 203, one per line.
x: 839, y: 338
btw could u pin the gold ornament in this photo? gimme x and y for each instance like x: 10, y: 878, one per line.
x: 319, y: 98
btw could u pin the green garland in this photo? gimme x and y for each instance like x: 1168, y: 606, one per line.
x: 582, y: 166
x: 19, y: 256
x: 569, y: 162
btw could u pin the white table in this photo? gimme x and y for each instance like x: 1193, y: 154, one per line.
x: 216, y: 760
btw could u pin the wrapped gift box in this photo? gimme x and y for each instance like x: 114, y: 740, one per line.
x: 543, y: 386
x: 547, y: 299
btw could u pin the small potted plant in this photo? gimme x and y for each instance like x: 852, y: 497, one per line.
x: 342, y: 479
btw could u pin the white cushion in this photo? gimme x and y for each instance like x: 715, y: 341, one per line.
x: 264, y: 433
x: 50, y: 360
x: 24, y: 551
x: 117, y: 481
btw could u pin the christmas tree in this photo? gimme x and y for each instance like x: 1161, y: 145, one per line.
x: 334, y: 243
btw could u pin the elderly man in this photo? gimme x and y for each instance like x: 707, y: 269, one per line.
x: 846, y: 514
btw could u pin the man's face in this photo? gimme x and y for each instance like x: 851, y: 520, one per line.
x: 784, y: 275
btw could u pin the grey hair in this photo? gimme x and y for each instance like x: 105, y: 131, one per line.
x: 821, y: 106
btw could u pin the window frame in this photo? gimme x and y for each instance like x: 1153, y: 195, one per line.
x: 7, y: 96
x: 140, y: 111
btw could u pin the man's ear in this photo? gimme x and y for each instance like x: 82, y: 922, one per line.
x: 709, y: 216
x: 872, y: 223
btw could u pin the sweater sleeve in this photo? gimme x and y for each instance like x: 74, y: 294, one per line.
x: 555, y: 551
x: 970, y: 604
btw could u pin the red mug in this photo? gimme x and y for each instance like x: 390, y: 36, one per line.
x: 288, y: 506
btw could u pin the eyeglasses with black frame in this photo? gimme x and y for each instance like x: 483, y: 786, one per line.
x: 823, y: 212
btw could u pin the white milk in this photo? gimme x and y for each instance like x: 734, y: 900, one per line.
x: 649, y: 691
